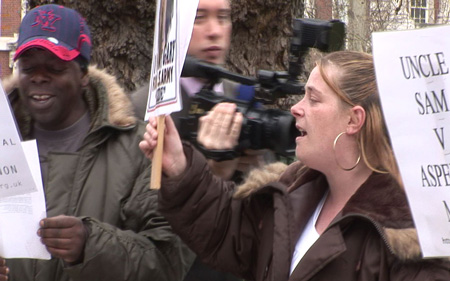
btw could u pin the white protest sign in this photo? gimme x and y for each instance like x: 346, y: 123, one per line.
x: 413, y: 71
x: 15, y: 174
x: 20, y: 216
x: 173, y: 28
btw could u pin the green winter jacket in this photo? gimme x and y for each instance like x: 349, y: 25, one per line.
x: 106, y: 183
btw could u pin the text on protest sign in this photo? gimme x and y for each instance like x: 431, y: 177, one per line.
x: 413, y: 81
x: 15, y: 174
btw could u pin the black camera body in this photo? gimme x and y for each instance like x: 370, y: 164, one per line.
x: 262, y: 128
x: 272, y: 129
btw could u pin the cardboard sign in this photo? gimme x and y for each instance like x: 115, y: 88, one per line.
x: 173, y: 29
x: 413, y: 71
x: 15, y: 174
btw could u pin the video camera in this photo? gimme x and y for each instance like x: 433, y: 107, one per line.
x: 272, y: 129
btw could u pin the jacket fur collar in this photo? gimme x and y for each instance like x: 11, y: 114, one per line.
x: 107, y: 102
x: 403, y: 241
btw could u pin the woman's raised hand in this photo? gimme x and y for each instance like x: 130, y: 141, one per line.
x: 173, y: 158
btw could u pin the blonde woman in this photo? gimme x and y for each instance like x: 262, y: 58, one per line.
x: 339, y: 213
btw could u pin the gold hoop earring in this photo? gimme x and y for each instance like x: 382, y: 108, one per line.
x: 337, y: 162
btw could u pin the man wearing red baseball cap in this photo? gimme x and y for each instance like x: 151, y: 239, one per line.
x: 102, y: 221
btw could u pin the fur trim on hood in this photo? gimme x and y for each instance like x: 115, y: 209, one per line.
x: 120, y: 112
x: 120, y: 109
x: 258, y: 178
x: 404, y: 243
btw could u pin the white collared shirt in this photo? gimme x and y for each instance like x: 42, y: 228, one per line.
x: 193, y: 85
x: 308, y: 237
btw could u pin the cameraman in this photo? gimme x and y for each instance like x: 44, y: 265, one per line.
x: 210, y: 42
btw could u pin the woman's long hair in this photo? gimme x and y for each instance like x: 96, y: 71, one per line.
x: 355, y: 84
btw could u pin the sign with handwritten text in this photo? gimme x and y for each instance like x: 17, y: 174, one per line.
x: 173, y: 28
x: 15, y: 174
x: 413, y: 76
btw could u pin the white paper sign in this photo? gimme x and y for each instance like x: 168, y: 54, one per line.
x: 413, y: 71
x: 173, y: 28
x: 20, y: 216
x: 15, y: 175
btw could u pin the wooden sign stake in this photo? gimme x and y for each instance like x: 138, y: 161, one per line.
x: 155, y: 180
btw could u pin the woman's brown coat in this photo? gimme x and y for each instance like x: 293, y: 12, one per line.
x: 252, y: 232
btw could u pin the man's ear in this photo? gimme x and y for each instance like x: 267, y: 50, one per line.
x: 357, y: 119
x: 84, y: 79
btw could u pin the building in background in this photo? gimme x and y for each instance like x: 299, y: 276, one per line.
x: 363, y: 17
x: 11, y: 16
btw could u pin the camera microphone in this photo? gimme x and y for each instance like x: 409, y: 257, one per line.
x: 197, y: 68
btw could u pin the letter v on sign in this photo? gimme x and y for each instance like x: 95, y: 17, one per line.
x: 440, y: 136
x: 447, y: 210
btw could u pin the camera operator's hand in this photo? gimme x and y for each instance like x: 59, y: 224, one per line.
x: 221, y: 127
x: 173, y: 158
x: 220, y: 130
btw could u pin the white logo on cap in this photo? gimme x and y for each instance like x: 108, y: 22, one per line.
x: 53, y: 40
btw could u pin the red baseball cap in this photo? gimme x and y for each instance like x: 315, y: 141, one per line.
x: 58, y: 29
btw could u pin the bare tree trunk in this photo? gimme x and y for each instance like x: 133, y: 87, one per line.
x: 261, y: 33
x: 358, y: 25
x: 122, y: 35
x: 122, y: 32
